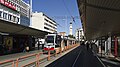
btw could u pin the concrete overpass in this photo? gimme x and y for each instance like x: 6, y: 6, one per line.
x: 100, y: 17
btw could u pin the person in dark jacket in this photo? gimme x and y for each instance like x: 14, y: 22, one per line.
x: 87, y: 45
x: 82, y: 43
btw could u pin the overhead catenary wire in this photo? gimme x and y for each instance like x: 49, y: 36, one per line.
x: 68, y: 11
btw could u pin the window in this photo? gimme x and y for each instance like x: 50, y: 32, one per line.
x: 50, y: 39
x: 46, y: 28
x: 14, y: 18
x: 17, y: 20
x: 18, y: 8
x: 5, y: 15
x: 0, y: 14
x: 9, y: 17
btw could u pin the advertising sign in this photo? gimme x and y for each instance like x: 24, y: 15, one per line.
x: 2, y: 1
x: 8, y: 4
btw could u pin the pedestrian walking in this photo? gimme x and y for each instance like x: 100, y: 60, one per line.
x: 87, y: 45
x: 91, y: 44
x: 27, y: 48
x: 82, y: 43
x: 38, y: 45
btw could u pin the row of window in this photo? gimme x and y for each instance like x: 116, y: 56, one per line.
x: 18, y: 8
x: 50, y: 22
x: 49, y: 25
x: 9, y: 17
x: 49, y: 29
x: 24, y: 20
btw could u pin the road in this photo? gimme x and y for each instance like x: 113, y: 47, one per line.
x: 79, y: 57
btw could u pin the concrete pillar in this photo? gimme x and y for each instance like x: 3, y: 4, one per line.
x: 109, y: 44
x: 106, y: 47
x: 116, y: 47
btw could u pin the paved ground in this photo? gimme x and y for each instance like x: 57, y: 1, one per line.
x: 28, y: 60
x: 54, y: 58
x: 109, y: 61
x: 22, y: 61
x: 79, y: 57
x: 75, y: 57
x: 17, y: 55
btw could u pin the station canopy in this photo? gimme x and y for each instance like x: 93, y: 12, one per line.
x: 100, y: 17
x: 12, y: 28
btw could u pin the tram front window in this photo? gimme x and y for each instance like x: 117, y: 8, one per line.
x: 50, y: 39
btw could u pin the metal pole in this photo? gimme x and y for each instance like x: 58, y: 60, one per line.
x: 30, y: 12
x: 116, y: 53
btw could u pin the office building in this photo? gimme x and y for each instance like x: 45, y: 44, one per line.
x: 79, y: 34
x: 43, y: 22
x: 15, y: 11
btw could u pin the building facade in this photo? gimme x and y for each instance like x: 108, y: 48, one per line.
x: 62, y: 33
x: 15, y: 11
x: 79, y: 34
x: 43, y: 22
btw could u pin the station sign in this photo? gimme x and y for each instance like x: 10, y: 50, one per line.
x: 8, y: 4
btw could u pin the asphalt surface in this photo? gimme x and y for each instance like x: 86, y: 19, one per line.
x: 110, y: 62
x: 79, y: 57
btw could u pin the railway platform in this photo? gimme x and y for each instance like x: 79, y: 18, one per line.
x: 32, y: 59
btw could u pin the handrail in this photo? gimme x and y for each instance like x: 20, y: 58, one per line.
x: 6, y: 61
x: 17, y: 59
x: 38, y: 60
x: 26, y: 56
x: 37, y: 57
x: 29, y: 63
x: 34, y: 62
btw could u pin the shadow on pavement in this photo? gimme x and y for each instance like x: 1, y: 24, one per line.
x: 110, y: 62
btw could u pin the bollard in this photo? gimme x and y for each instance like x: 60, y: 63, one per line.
x: 17, y: 60
x: 48, y: 55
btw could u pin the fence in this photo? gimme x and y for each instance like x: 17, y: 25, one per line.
x: 36, y: 57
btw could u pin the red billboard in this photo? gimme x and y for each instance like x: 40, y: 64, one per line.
x: 8, y: 4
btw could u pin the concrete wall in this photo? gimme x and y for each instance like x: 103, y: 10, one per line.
x: 42, y: 22
x: 37, y: 21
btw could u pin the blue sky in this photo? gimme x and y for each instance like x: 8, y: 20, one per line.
x: 59, y: 10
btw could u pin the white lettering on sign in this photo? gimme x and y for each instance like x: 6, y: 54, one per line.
x: 8, y: 4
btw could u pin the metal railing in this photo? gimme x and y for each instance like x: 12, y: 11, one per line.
x: 36, y: 62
